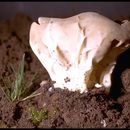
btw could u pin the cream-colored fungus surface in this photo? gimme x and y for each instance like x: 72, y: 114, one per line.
x: 79, y: 52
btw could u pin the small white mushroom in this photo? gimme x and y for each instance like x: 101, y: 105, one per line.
x: 79, y: 52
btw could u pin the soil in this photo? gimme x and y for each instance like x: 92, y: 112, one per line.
x: 56, y: 108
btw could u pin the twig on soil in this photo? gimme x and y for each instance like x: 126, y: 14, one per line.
x: 34, y: 94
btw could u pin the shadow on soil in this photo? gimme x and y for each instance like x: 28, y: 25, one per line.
x: 123, y: 62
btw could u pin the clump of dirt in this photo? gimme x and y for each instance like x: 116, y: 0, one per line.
x: 55, y: 108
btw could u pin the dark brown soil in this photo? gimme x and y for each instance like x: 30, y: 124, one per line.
x: 59, y: 108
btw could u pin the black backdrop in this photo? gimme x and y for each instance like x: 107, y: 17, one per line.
x: 63, y: 9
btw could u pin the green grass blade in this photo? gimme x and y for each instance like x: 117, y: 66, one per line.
x: 17, y: 88
x: 31, y: 96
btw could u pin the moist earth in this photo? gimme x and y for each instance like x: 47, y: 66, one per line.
x: 55, y: 108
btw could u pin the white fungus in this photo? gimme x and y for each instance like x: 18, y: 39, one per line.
x: 78, y: 52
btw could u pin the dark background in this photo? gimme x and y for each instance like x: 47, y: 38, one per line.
x: 63, y: 9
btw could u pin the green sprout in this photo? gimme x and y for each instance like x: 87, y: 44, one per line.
x: 37, y: 116
x: 18, y: 89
